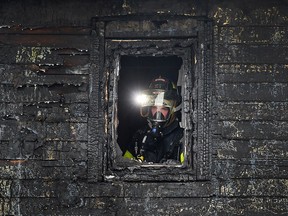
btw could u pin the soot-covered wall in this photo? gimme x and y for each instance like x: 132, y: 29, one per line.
x: 47, y: 131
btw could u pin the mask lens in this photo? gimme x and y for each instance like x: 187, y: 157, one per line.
x: 144, y: 111
x: 159, y: 113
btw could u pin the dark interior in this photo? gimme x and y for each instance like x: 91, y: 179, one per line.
x: 136, y: 74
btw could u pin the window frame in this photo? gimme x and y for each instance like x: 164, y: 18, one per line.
x: 104, y: 162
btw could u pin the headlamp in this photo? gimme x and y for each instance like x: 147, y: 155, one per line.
x: 140, y: 99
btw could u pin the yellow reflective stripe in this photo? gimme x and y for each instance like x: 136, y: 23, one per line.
x: 128, y: 155
x: 182, y: 157
x: 141, y: 158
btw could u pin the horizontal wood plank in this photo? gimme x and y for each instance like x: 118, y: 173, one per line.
x: 81, y: 42
x: 253, y: 35
x: 244, y: 53
x: 252, y: 111
x: 247, y: 92
x: 264, y: 130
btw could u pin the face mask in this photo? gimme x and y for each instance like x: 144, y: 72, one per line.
x: 159, y: 113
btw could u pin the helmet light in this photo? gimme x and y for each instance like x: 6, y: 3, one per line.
x: 141, y: 99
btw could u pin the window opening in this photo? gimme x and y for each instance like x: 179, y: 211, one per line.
x: 135, y: 74
x: 110, y: 47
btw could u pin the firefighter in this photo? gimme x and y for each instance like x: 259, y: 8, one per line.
x: 161, y: 140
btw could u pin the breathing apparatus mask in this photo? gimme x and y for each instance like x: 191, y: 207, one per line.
x: 159, y: 103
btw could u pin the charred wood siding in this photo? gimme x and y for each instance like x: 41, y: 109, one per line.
x: 252, y: 80
x: 46, y: 133
x: 44, y: 79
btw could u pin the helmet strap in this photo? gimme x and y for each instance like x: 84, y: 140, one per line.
x: 175, y: 109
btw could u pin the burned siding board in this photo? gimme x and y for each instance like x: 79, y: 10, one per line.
x: 148, y: 189
x: 244, y: 53
x: 8, y: 54
x: 55, y: 112
x: 165, y: 28
x: 80, y: 81
x: 75, y: 61
x: 250, y: 169
x: 252, y: 82
x: 102, y: 189
x: 150, y: 174
x: 162, y: 207
x: 36, y: 188
x: 55, y: 162
x: 256, y: 206
x: 269, y: 13
x: 25, y: 149
x: 30, y: 141
x: 33, y: 169
x: 12, y: 74
x: 54, y: 49
x: 261, y: 77
x: 244, y: 111
x: 42, y: 94
x: 168, y: 190
x: 81, y: 42
x: 10, y: 109
x: 253, y: 35
x: 75, y: 150
x: 47, y: 30
x: 67, y: 131
x: 37, y: 205
x: 253, y: 188
x: 61, y: 69
x: 63, y: 205
x: 29, y: 78
x: 254, y: 161
x: 100, y: 210
x: 270, y: 130
x: 11, y: 129
x: 248, y: 92
x: 116, y: 206
x: 180, y: 7
x: 28, y: 55
x: 253, y: 68
x: 37, y: 14
x: 71, y: 51
x: 248, y: 149
x: 8, y: 73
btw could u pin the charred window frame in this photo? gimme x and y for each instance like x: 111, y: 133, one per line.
x: 110, y: 43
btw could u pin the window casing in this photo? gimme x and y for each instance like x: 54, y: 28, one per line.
x: 105, y: 161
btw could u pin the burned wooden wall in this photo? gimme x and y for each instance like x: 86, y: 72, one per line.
x: 251, y: 150
x: 46, y: 67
